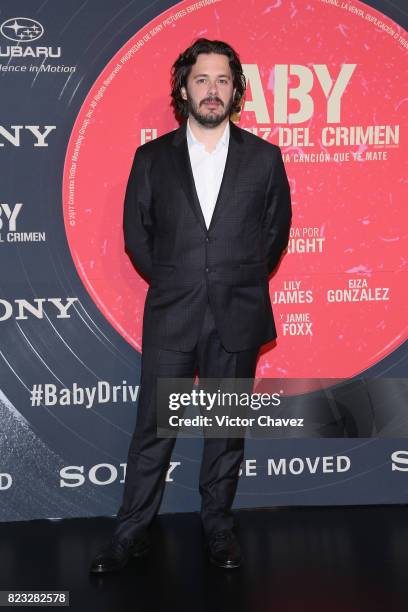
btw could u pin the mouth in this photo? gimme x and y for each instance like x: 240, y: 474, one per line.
x: 212, y: 104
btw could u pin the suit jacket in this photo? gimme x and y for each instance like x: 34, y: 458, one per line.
x: 188, y: 265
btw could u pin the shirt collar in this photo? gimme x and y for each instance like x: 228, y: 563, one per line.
x: 223, y: 141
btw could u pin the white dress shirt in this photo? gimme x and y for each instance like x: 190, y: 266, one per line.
x: 208, y: 169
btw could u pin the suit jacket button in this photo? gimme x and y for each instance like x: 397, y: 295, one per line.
x: 207, y: 269
x: 207, y: 239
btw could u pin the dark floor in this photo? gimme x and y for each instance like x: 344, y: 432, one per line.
x: 298, y: 559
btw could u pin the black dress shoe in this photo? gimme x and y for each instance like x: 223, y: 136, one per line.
x: 224, y: 549
x: 117, y: 554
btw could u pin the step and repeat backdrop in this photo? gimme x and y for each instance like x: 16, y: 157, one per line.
x: 83, y: 85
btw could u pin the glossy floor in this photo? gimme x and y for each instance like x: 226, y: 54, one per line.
x: 298, y: 559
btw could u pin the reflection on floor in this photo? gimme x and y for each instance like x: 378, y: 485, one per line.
x: 297, y: 559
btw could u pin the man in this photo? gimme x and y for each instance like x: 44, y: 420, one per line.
x: 206, y: 220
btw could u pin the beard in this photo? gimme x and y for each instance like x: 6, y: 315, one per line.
x: 209, y: 118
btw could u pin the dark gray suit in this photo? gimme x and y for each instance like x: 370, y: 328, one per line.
x: 208, y: 304
x: 167, y: 239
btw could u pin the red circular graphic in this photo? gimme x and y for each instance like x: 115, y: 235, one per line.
x: 316, y: 73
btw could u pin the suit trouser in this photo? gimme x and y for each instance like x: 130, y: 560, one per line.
x: 149, y: 456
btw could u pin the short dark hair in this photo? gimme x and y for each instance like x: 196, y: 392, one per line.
x: 182, y: 68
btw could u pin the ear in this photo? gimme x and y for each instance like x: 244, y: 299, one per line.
x: 183, y: 93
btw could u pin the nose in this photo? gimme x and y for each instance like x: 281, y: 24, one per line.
x: 212, y: 88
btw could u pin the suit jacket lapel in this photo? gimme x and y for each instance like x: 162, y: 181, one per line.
x: 184, y: 171
x: 231, y: 171
x: 181, y: 159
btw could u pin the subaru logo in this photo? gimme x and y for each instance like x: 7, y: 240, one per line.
x: 21, y: 29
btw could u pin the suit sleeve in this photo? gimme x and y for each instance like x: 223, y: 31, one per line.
x: 278, y: 213
x: 137, y: 217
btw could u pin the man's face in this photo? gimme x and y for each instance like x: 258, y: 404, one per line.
x: 210, y: 91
